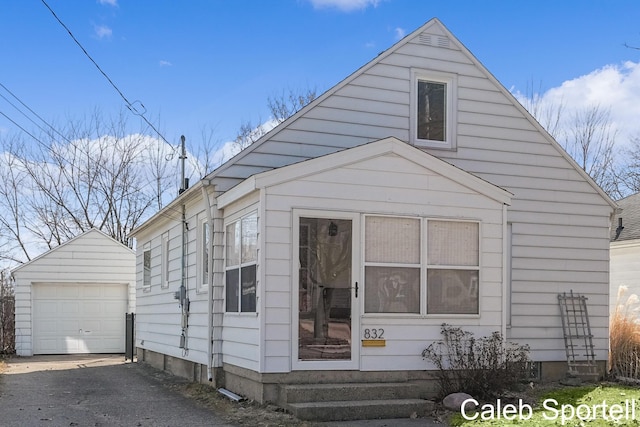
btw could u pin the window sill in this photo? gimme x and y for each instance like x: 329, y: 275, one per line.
x: 413, y: 316
x: 423, y: 143
x: 241, y: 314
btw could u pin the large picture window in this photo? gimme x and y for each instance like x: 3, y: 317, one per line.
x: 398, y: 275
x: 241, y: 258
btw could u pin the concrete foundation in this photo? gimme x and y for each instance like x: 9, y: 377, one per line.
x: 264, y: 387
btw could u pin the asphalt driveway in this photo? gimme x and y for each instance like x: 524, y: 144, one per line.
x: 96, y: 391
x: 103, y: 390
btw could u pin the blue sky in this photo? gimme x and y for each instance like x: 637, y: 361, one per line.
x: 212, y: 64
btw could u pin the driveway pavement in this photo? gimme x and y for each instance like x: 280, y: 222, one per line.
x: 96, y: 391
x: 104, y: 391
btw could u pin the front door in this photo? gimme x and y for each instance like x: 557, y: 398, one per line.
x: 327, y: 292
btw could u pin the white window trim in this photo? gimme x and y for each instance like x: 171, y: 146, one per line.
x: 147, y: 248
x: 202, y: 285
x: 419, y: 265
x: 231, y: 220
x: 424, y: 267
x: 451, y: 81
x: 165, y: 260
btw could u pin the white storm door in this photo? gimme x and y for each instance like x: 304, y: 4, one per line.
x: 326, y: 290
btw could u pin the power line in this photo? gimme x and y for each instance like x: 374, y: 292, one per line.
x: 48, y: 147
x: 129, y: 105
x: 32, y: 112
x: 23, y: 129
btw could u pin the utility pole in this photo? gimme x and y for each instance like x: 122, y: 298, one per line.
x: 184, y: 182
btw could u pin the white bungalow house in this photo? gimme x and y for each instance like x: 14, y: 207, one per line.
x: 415, y: 192
x: 73, y: 298
x: 625, y: 251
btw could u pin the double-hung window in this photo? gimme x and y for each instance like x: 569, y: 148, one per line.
x: 241, y: 258
x: 204, y: 241
x: 392, y: 265
x: 409, y: 260
x: 452, y: 267
x: 146, y: 268
x: 165, y: 260
x: 433, y: 117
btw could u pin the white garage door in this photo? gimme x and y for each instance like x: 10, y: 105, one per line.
x: 78, y: 318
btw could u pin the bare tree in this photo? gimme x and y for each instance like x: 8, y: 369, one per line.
x: 288, y: 103
x: 629, y: 170
x: 248, y: 133
x: 549, y: 115
x: 14, y: 221
x: 281, y: 107
x: 95, y: 175
x: 590, y: 139
x: 204, y: 158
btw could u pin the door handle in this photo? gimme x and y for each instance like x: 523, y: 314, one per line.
x: 356, y: 289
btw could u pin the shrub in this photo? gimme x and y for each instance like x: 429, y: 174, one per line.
x: 624, y: 337
x: 483, y: 367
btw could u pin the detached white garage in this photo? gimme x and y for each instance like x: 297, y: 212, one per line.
x: 73, y: 299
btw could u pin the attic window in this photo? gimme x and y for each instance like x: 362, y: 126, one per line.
x: 433, y: 119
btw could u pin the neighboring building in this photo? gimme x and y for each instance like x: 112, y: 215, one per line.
x: 73, y: 298
x: 415, y: 192
x: 625, y: 251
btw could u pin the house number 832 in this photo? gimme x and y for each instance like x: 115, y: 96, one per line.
x: 374, y: 334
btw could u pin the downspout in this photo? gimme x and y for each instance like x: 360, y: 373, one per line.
x: 505, y: 263
x: 205, y: 196
x: 215, y: 309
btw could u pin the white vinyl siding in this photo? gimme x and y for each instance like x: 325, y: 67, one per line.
x: 625, y: 271
x: 558, y: 217
x: 559, y: 223
x: 378, y: 185
x: 158, y: 317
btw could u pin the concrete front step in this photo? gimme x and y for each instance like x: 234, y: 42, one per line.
x: 361, y: 409
x: 300, y: 393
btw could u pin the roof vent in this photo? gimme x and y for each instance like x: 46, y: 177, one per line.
x: 434, y: 40
x: 443, y: 42
x: 425, y: 38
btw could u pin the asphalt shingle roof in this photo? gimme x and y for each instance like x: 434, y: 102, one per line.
x: 630, y: 219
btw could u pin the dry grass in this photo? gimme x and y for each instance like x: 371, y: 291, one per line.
x: 624, y: 330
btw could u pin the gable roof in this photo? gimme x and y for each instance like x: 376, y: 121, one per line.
x: 94, y: 231
x: 437, y: 27
x: 239, y: 168
x: 630, y: 215
x: 349, y: 156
